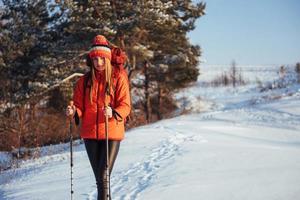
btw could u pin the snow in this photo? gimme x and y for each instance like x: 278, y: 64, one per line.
x: 5, y: 159
x: 235, y: 143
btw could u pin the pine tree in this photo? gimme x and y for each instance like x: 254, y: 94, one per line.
x: 29, y: 40
x: 175, y: 62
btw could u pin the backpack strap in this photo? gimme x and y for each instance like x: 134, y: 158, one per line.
x: 116, y: 115
x: 85, y: 83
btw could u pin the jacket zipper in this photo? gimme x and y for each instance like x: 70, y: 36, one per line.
x: 97, y: 136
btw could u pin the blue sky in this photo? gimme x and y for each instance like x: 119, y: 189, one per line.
x: 249, y: 32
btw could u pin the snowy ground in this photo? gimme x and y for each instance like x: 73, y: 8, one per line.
x: 244, y: 145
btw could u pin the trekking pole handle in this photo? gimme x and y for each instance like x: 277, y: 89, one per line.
x: 72, y: 107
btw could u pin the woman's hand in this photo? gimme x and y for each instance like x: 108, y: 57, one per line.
x: 108, y: 111
x: 71, y: 109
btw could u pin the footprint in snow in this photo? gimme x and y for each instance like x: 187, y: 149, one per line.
x: 129, y: 184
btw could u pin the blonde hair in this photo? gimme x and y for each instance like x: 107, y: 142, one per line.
x: 108, y: 78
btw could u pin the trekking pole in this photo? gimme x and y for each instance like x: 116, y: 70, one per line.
x: 71, y: 151
x: 107, y: 148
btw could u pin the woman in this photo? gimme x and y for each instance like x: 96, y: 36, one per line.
x: 103, y: 85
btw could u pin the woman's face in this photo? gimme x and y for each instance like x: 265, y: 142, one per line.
x: 98, y: 63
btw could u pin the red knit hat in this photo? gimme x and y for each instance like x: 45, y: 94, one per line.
x: 100, y: 48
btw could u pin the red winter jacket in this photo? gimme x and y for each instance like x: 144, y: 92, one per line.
x: 92, y: 114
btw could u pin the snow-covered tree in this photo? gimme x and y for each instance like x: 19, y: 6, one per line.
x: 28, y: 44
x: 29, y: 60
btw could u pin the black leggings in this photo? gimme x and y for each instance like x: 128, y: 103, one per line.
x: 96, y: 150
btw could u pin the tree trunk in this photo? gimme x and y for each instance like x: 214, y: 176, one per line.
x: 159, y: 116
x: 21, y: 120
x: 147, y: 103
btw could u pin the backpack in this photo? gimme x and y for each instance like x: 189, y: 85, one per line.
x: 118, y: 57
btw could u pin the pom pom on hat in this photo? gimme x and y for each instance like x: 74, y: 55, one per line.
x: 100, y: 48
x: 100, y: 40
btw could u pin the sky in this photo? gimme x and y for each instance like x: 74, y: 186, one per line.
x: 260, y: 32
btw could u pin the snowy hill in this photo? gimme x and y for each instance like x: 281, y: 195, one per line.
x: 244, y: 144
